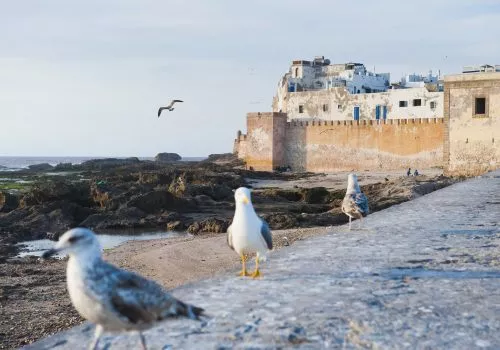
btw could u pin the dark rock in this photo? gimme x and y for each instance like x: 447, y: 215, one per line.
x: 176, y: 226
x: 113, y: 221
x: 212, y: 225
x: 278, y: 194
x: 280, y: 221
x: 35, y: 221
x: 107, y: 163
x: 155, y: 201
x: 43, y: 192
x: 64, y: 167
x: 315, y: 195
x: 167, y: 157
x: 214, y: 191
x: 8, y: 201
x: 154, y: 179
x: 41, y: 167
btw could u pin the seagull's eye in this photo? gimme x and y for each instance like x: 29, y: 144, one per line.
x: 74, y: 239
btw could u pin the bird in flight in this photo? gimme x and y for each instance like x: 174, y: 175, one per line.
x: 169, y: 107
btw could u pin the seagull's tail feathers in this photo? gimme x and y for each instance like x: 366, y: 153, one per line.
x: 189, y: 311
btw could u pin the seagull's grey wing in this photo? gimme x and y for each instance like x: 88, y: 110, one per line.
x: 142, y: 301
x: 362, y: 203
x: 230, y: 237
x: 266, y: 234
x: 349, y: 206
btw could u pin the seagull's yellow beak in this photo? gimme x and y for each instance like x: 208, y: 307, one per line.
x: 245, y: 200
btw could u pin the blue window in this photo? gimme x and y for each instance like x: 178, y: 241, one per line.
x: 385, y: 112
x: 377, y: 112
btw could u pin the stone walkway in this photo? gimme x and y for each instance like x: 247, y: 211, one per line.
x: 421, y: 275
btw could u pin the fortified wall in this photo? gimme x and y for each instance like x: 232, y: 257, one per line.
x: 271, y: 141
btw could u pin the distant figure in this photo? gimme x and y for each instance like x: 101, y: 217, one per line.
x: 415, y: 173
x: 355, y: 204
x: 114, y: 299
x: 169, y: 107
x: 248, y: 233
x: 408, y: 173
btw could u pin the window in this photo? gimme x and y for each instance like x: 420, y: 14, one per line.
x: 296, y: 72
x: 403, y: 103
x: 325, y: 108
x: 417, y: 102
x: 480, y: 106
x: 433, y: 104
x: 301, y: 109
x: 339, y: 107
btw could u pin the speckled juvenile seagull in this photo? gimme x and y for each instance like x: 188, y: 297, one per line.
x: 355, y: 204
x: 112, y: 298
x: 248, y: 233
x: 169, y: 107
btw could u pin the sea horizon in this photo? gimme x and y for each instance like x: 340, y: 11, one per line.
x: 22, y: 162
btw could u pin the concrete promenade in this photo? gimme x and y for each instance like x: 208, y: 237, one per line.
x: 424, y: 274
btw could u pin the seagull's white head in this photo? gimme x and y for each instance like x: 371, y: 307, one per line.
x: 242, y: 196
x: 352, y: 183
x: 76, y: 242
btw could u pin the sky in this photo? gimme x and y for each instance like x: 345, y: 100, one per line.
x: 86, y: 78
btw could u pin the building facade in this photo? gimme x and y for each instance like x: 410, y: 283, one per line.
x: 317, y: 90
x: 472, y: 120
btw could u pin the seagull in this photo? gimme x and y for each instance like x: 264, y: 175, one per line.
x: 112, y: 298
x: 248, y: 233
x: 355, y: 204
x: 169, y: 107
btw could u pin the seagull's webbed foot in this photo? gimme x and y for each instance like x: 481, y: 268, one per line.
x: 256, y: 273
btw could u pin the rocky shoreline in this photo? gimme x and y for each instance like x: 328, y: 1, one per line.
x: 124, y: 195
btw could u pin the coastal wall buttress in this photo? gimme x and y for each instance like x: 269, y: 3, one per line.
x: 263, y: 145
x: 472, y: 115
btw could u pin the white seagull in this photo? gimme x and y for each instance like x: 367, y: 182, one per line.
x: 248, y: 233
x: 112, y: 298
x: 169, y: 107
x: 355, y: 204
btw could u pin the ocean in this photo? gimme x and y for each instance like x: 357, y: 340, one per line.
x: 16, y: 163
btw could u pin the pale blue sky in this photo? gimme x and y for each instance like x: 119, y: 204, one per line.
x: 85, y: 78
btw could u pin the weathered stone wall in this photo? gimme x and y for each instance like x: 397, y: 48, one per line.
x: 371, y: 145
x: 472, y: 142
x: 271, y: 141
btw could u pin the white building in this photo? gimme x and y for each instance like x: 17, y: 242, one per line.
x: 481, y: 69
x: 319, y: 74
x: 419, y: 81
x: 318, y: 90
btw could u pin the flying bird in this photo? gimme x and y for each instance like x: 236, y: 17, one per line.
x: 355, y: 204
x: 248, y: 233
x: 169, y: 107
x: 112, y: 298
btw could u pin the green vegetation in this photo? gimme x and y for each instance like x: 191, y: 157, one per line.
x: 8, y: 185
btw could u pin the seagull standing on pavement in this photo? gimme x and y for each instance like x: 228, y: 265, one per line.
x: 248, y: 233
x: 169, y: 107
x: 114, y: 299
x: 355, y: 204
